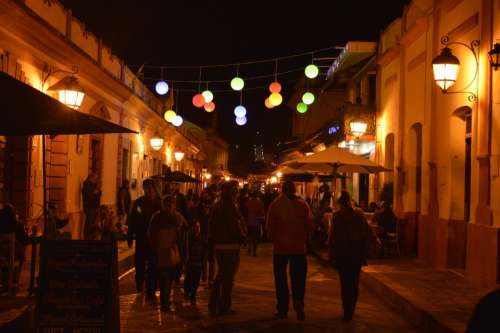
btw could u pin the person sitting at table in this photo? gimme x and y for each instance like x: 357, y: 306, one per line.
x: 386, y: 220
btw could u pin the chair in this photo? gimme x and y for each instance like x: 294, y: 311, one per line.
x: 390, y: 244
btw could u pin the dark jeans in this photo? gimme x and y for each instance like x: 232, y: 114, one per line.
x: 349, y: 283
x: 166, y: 276
x: 192, y: 280
x: 145, y: 270
x: 253, y: 239
x: 90, y: 219
x: 208, y: 268
x: 298, y: 273
x: 220, y: 294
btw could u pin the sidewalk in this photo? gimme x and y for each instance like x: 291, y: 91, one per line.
x: 16, y: 312
x: 437, y: 301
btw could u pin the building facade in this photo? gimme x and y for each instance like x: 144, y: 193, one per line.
x: 443, y: 147
x: 39, y: 37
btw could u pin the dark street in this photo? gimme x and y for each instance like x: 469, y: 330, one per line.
x: 254, y: 303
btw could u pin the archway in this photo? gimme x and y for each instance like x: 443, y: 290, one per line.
x: 460, y: 143
x: 387, y: 193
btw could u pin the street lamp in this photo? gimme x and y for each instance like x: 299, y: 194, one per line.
x: 179, y: 155
x: 156, y: 142
x: 494, y: 55
x: 446, y: 66
x: 358, y: 128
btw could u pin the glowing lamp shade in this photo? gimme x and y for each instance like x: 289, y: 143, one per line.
x: 275, y: 87
x: 237, y: 83
x: 275, y: 99
x: 240, y: 111
x: 302, y: 107
x: 207, y: 96
x: 198, y: 100
x: 178, y: 155
x: 177, y: 121
x: 445, y: 68
x: 156, y: 142
x: 208, y: 176
x: 311, y: 71
x: 308, y: 98
x: 358, y: 128
x: 209, y: 107
x: 161, y: 87
x: 240, y: 121
x: 268, y: 104
x: 227, y: 178
x: 69, y: 92
x: 169, y: 115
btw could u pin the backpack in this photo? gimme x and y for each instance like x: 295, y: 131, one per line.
x: 168, y: 249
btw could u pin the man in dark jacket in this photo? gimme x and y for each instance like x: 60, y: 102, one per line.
x: 138, y: 223
x: 91, y: 195
x: 227, y: 233
x: 350, y: 238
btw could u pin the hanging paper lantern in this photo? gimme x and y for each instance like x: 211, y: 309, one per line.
x: 208, y: 96
x: 240, y: 111
x: 241, y: 121
x: 301, y: 107
x: 161, y: 87
x: 177, y: 121
x: 275, y: 99
x: 209, y: 107
x: 198, y: 100
x: 275, y: 87
x: 268, y: 104
x: 311, y: 71
x: 237, y: 83
x: 308, y: 98
x: 169, y: 115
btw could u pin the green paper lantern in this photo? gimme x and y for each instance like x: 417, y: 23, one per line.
x: 311, y: 71
x: 237, y: 83
x: 302, y: 107
x: 308, y: 98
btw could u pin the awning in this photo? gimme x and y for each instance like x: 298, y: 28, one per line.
x: 177, y: 177
x: 27, y: 111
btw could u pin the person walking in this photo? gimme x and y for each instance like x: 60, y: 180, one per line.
x: 138, y: 223
x: 254, y: 218
x: 164, y: 241
x: 289, y: 224
x: 195, y: 257
x: 227, y: 233
x: 91, y: 195
x: 124, y: 201
x: 350, y: 239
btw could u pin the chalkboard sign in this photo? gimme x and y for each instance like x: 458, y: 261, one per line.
x: 78, y: 287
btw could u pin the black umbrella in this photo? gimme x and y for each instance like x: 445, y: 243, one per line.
x: 177, y: 177
x: 27, y: 111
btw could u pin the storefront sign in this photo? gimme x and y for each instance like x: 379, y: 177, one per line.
x: 78, y: 287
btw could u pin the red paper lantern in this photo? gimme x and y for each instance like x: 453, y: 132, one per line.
x: 198, y: 100
x: 275, y: 87
x: 209, y: 107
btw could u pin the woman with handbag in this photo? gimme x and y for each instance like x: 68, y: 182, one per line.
x: 165, y: 242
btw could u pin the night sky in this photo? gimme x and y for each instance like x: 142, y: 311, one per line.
x: 177, y: 33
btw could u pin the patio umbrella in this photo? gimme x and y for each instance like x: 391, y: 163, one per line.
x: 27, y: 111
x: 336, y: 160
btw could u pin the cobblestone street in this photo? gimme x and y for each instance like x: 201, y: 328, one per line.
x: 254, y: 302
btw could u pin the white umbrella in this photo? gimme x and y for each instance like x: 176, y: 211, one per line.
x: 335, y: 159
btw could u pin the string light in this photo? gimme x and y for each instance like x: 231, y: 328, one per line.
x: 209, y: 107
x: 308, y: 98
x: 237, y: 83
x: 275, y: 87
x: 240, y: 111
x: 208, y: 96
x: 177, y: 121
x: 302, y: 107
x: 169, y: 115
x: 161, y: 87
x: 241, y: 121
x: 198, y: 100
x: 268, y: 104
x: 311, y: 71
x: 275, y: 99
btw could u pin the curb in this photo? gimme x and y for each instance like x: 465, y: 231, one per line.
x: 415, y: 314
